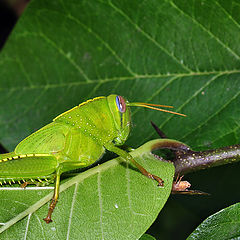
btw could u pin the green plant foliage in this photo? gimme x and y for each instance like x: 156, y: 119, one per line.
x: 63, y: 53
x: 180, y: 53
x: 110, y: 201
x: 224, y: 224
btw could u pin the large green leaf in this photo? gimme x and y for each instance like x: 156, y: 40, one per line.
x: 110, y: 201
x: 222, y: 225
x: 183, y: 53
x: 64, y: 52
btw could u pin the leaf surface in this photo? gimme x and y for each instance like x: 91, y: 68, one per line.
x: 62, y: 53
x: 110, y: 201
x: 224, y: 224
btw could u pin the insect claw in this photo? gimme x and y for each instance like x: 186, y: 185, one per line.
x: 47, y: 219
x: 160, y: 185
x: 158, y: 179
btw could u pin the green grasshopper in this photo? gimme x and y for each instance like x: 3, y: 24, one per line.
x: 75, y: 139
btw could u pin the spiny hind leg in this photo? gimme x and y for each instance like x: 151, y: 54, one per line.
x: 39, y: 182
x: 23, y: 182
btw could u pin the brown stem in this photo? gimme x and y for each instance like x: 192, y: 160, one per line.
x: 188, y: 161
x: 192, y: 161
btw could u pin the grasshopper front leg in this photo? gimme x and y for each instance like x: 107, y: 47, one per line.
x: 111, y: 147
x: 165, y: 143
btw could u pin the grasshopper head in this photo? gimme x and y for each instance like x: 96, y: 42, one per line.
x: 121, y: 116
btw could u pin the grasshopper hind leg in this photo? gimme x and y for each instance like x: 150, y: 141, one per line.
x: 39, y: 182
x: 24, y: 182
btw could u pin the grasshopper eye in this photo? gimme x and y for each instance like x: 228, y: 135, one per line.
x: 121, y: 104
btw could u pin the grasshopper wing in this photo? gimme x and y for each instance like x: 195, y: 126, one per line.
x: 49, y: 139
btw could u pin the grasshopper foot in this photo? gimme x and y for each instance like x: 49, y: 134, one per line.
x: 158, y: 179
x: 47, y: 219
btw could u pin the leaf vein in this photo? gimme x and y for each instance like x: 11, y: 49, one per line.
x: 192, y: 97
x: 212, y: 116
x: 227, y: 14
x: 123, y: 78
x: 207, y: 31
x: 107, y: 46
x: 71, y: 211
x: 150, y: 38
x: 26, y: 110
x: 100, y: 202
x: 27, y: 226
x: 73, y: 63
